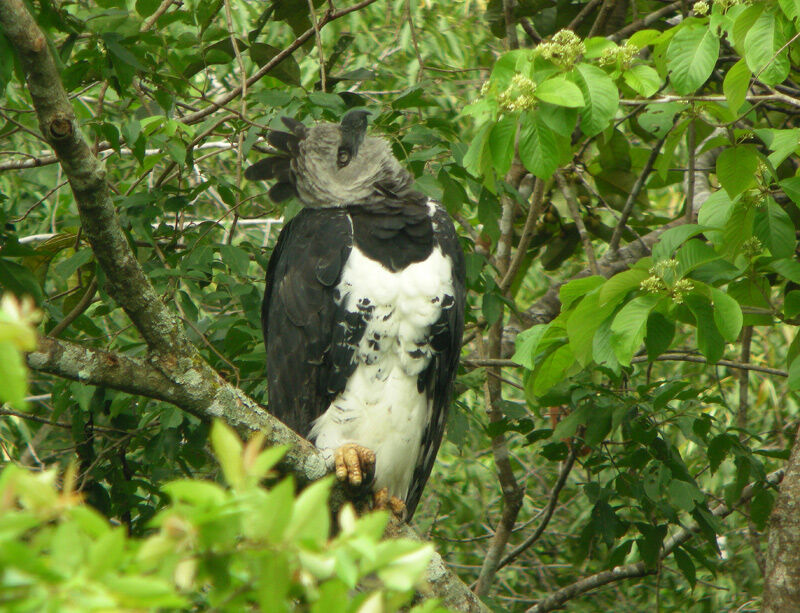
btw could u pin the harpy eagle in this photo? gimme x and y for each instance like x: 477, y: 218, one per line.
x: 364, y: 307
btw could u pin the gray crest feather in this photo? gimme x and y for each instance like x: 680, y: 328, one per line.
x: 330, y: 165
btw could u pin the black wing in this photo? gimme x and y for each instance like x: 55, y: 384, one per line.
x: 309, y: 356
x: 439, y: 377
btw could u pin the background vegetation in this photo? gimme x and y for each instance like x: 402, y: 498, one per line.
x: 624, y: 176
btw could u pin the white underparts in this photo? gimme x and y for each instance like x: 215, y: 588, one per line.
x: 381, y: 408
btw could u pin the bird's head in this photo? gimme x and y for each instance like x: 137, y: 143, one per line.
x: 353, y: 129
x: 330, y: 165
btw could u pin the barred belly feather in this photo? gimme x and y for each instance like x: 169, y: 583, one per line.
x: 383, y: 407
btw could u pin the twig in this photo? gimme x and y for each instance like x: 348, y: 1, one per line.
x: 681, y: 357
x: 322, y: 78
x: 613, y: 245
x: 691, y: 146
x: 602, y: 16
x: 549, y: 509
x: 330, y: 15
x: 77, y: 310
x: 513, y: 493
x: 413, y: 29
x: 243, y: 113
x: 644, y: 22
x: 150, y: 21
x: 581, y: 16
x: 511, y: 27
x: 530, y: 30
x: 572, y: 204
x: 534, y: 212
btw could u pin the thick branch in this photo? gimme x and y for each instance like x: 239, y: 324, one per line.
x: 782, y: 578
x: 125, y: 281
x: 208, y: 398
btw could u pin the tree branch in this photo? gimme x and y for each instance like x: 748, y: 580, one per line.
x: 125, y: 281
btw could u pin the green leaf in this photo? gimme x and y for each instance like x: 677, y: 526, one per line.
x: 310, y: 521
x: 709, y: 340
x: 236, y: 258
x: 629, y: 326
x: 761, y: 507
x: 659, y: 335
x: 578, y: 288
x: 599, y: 93
x: 559, y: 91
x: 642, y: 79
x: 727, y: 315
x: 736, y: 84
x: 406, y: 570
x: 197, y: 493
x: 693, y: 254
x: 762, y: 44
x: 501, y: 144
x: 789, y: 268
x: 141, y: 592
x: 288, y: 70
x: 15, y: 375
x: 228, y: 449
x: 671, y: 239
x: 691, y: 57
x: 121, y: 53
x: 738, y: 229
x: 683, y: 494
x: 617, y: 287
x: 582, y: 325
x: 794, y: 374
x: 177, y: 151
x: 791, y: 187
x: 552, y: 369
x: 736, y: 169
x: 782, y: 143
x: 790, y: 8
x: 537, y: 146
x: 686, y: 566
x: 774, y: 228
x: 791, y: 304
x: 526, y: 343
x: 474, y: 158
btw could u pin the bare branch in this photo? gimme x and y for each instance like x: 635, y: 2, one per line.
x: 566, y: 467
x: 574, y: 211
x: 613, y: 244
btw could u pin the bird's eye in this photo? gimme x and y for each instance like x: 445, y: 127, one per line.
x: 342, y: 157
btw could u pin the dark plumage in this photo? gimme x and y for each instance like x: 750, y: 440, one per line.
x: 363, y: 308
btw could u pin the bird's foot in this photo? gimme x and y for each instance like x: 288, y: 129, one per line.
x: 354, y: 464
x: 381, y: 500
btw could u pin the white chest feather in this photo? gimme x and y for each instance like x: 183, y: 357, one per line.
x: 381, y: 407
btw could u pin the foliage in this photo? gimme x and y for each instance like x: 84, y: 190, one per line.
x: 235, y: 548
x: 17, y: 335
x: 677, y: 142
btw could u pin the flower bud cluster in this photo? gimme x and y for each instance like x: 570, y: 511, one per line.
x: 724, y: 5
x: 656, y: 284
x: 624, y: 55
x: 519, y: 95
x: 563, y: 49
x: 700, y: 8
x: 752, y: 247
